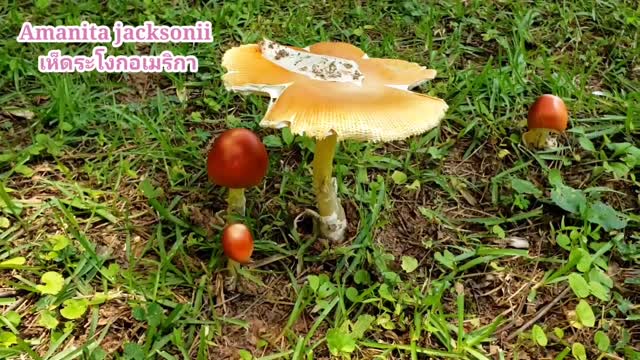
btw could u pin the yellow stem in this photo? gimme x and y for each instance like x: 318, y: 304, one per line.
x: 333, y: 220
x: 236, y: 203
x: 539, y: 138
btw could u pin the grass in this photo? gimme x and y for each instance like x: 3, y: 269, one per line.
x: 463, y: 243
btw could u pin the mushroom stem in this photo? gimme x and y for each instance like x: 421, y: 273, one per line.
x: 236, y: 203
x: 540, y: 138
x: 333, y: 222
x: 232, y: 280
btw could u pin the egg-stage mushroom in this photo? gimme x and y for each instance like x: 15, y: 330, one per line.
x: 237, y: 159
x: 547, y: 115
x: 333, y: 91
x: 237, y: 243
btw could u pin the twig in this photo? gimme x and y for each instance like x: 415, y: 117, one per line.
x: 15, y: 305
x: 540, y: 314
x: 225, y: 301
x: 7, y: 293
x: 267, y: 261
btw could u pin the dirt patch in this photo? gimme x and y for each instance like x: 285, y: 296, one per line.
x: 98, y: 214
x: 141, y: 86
x: 408, y: 232
x: 265, y: 310
x: 115, y: 319
x: 626, y: 198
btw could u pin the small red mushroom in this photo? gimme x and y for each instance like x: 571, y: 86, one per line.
x: 237, y: 159
x: 548, y: 112
x: 237, y: 243
x: 547, y: 115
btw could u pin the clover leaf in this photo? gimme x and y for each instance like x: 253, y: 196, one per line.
x: 538, y: 335
x: 409, y: 263
x: 74, y: 309
x: 48, y: 320
x: 59, y: 242
x: 340, y: 342
x: 585, y: 314
x: 7, y: 339
x: 53, y: 283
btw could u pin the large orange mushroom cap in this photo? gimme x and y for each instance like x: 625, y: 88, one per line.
x: 337, y: 49
x: 335, y: 88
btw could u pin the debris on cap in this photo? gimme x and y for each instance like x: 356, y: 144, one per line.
x: 314, y: 66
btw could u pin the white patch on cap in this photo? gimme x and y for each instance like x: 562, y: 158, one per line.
x: 273, y: 91
x: 317, y: 67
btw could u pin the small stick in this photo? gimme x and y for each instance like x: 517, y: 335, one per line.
x: 7, y: 293
x: 15, y: 305
x: 540, y: 314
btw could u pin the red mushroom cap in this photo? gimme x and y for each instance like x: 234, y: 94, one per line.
x: 548, y: 112
x: 237, y: 159
x: 237, y: 242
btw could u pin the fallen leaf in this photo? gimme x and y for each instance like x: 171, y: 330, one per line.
x: 19, y: 112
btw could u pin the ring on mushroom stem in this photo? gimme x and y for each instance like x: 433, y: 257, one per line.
x: 333, y: 91
x: 237, y: 159
x: 547, y: 115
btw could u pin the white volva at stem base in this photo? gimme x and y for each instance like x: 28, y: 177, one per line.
x: 334, y: 225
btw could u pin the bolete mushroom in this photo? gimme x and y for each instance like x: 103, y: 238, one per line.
x: 237, y: 159
x: 333, y: 91
x: 547, y: 115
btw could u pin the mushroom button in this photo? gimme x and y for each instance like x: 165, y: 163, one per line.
x: 548, y: 112
x: 237, y: 159
x: 237, y: 243
x: 547, y: 115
